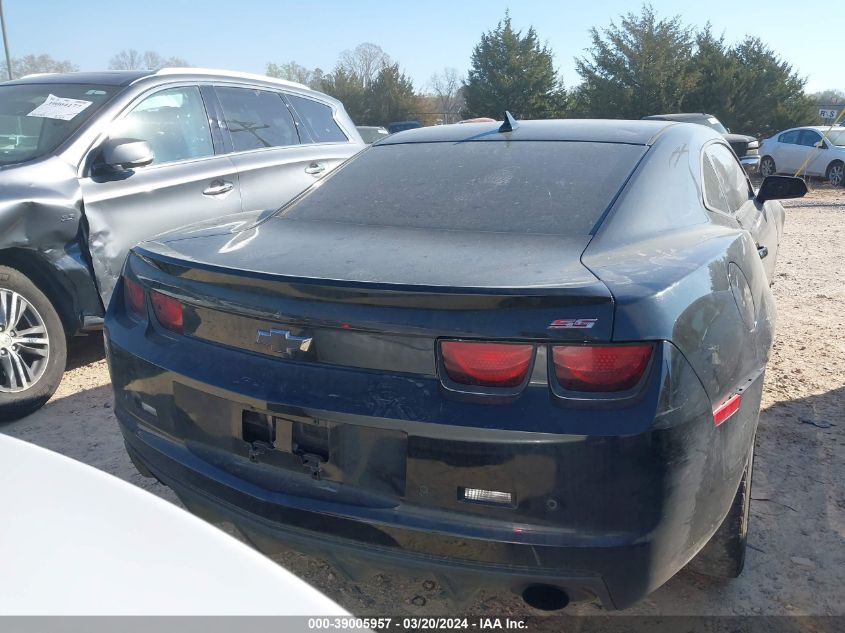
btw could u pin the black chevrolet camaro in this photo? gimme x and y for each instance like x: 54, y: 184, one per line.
x: 527, y: 355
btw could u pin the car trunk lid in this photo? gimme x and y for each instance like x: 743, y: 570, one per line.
x: 385, y: 281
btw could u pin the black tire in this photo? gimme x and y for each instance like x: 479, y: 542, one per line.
x: 767, y: 166
x: 724, y: 554
x: 836, y: 173
x: 21, y: 399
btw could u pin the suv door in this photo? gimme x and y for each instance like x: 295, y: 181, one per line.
x: 764, y: 221
x: 188, y: 181
x: 273, y: 166
x: 277, y: 153
x: 317, y: 122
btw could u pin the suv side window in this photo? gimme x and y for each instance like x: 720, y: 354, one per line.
x: 256, y: 118
x: 319, y: 118
x: 809, y: 138
x: 789, y: 137
x: 173, y: 121
x: 734, y: 183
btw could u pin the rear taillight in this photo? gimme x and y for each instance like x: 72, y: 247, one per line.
x: 133, y: 293
x: 168, y: 311
x: 600, y: 368
x: 486, y: 364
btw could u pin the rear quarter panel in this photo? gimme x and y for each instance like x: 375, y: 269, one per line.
x: 672, y: 269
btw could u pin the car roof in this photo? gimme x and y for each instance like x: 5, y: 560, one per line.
x: 817, y: 128
x: 678, y: 116
x: 592, y: 130
x: 105, y: 78
x: 128, y: 77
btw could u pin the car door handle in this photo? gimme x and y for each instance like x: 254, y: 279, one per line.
x: 315, y: 168
x: 762, y: 251
x: 218, y: 187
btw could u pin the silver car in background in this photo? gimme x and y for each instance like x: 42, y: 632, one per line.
x: 816, y: 150
x: 93, y: 163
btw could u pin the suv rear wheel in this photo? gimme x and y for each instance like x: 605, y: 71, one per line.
x: 33, y: 346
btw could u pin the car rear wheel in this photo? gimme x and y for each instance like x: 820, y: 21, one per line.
x: 767, y: 166
x: 836, y: 173
x: 724, y: 554
x: 33, y: 347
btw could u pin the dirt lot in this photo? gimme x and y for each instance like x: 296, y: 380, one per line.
x: 796, y: 562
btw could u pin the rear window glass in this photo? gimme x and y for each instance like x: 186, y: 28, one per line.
x: 320, y: 120
x: 514, y: 187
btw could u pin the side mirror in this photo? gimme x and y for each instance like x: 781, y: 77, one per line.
x: 821, y: 145
x: 126, y: 153
x: 781, y: 188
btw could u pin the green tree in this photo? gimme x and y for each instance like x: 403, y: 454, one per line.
x: 717, y: 72
x: 348, y: 88
x: 371, y: 87
x: 291, y: 71
x: 641, y: 66
x: 769, y: 93
x: 747, y: 86
x: 512, y: 71
x: 390, y: 97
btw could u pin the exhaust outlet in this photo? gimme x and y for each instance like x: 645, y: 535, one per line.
x: 545, y: 597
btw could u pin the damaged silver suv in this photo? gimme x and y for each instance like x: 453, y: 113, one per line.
x: 92, y: 163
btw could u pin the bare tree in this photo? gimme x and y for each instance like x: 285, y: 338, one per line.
x: 446, y: 89
x: 127, y: 59
x: 365, y: 60
x: 34, y: 64
x: 130, y: 59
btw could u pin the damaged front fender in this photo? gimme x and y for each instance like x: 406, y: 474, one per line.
x: 41, y: 232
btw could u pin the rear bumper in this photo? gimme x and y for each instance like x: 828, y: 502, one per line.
x: 461, y: 578
x: 606, y: 515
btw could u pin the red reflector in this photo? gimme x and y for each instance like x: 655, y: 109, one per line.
x: 600, y: 367
x: 486, y: 364
x: 726, y: 409
x: 168, y: 311
x: 134, y: 295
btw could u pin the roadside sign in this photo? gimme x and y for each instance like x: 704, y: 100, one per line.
x: 828, y: 113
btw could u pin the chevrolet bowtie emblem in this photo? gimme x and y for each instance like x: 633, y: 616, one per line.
x: 283, y: 342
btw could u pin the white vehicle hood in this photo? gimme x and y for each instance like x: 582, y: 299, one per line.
x: 77, y: 541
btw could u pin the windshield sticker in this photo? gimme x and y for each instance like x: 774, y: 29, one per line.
x: 713, y: 120
x: 59, y: 108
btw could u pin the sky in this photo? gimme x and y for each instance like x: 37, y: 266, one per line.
x: 424, y: 37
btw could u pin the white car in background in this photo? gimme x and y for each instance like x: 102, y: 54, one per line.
x: 77, y: 541
x: 822, y: 148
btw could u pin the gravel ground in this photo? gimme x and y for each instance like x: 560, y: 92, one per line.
x: 796, y: 560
